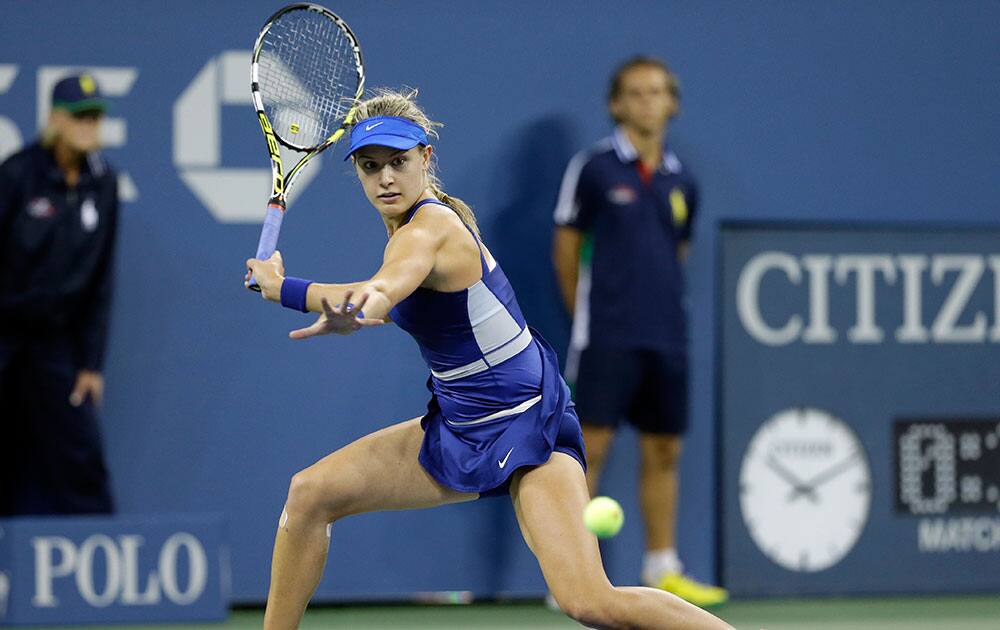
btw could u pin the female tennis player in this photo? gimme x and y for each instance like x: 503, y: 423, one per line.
x: 500, y: 419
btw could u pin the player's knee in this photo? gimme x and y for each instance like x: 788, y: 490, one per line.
x: 587, y: 609
x: 590, y: 602
x: 303, y: 494
x: 329, y: 492
x: 310, y: 496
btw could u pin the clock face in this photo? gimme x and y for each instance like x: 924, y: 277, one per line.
x: 805, y: 489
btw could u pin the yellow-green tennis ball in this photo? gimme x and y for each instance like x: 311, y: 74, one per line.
x: 603, y: 517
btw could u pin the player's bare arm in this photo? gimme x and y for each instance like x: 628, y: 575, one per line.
x: 409, y: 259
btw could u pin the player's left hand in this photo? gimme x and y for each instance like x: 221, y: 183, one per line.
x: 269, y: 275
x: 342, y: 319
x: 89, y: 384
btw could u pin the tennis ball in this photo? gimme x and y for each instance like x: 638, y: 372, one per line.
x: 603, y: 517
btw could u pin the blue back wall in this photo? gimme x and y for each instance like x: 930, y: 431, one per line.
x: 847, y: 110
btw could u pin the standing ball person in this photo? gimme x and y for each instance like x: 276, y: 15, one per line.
x: 624, y: 220
x: 499, y: 420
x: 58, y: 214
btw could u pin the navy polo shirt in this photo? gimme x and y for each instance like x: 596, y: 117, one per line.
x: 56, y: 250
x: 631, y: 284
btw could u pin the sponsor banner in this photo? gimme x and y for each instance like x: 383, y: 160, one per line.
x: 96, y: 570
x: 230, y: 194
x: 859, y: 409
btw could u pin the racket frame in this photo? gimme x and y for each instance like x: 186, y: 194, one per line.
x: 280, y: 181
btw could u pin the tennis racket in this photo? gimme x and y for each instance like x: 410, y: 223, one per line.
x: 306, y: 77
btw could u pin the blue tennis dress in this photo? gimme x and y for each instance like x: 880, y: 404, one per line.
x: 498, y: 401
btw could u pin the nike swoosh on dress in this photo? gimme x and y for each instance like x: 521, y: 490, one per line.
x: 503, y: 462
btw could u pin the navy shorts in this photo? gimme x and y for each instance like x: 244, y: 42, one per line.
x: 649, y: 388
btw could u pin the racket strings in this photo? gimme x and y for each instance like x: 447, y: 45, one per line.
x: 308, y: 77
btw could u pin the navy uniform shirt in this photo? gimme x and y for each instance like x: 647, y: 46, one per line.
x: 56, y: 250
x: 630, y: 291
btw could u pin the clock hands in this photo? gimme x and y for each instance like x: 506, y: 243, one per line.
x: 823, y: 477
x: 808, y: 488
x: 797, y: 486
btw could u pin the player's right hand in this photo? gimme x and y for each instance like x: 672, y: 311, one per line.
x: 269, y: 274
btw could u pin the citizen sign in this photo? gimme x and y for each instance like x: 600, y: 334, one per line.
x: 956, y: 319
x: 121, y: 581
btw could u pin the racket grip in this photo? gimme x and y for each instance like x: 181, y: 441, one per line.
x: 268, y: 237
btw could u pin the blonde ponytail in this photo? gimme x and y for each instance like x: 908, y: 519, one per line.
x: 387, y: 102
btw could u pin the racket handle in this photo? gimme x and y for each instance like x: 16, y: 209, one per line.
x: 268, y: 236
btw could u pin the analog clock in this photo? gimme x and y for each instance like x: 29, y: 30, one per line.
x: 805, y: 489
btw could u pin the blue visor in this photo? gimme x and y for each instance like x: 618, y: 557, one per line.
x: 386, y: 131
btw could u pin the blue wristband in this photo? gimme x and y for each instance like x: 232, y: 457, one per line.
x: 293, y: 293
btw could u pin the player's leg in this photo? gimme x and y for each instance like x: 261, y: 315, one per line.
x: 549, y: 501
x: 377, y: 472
